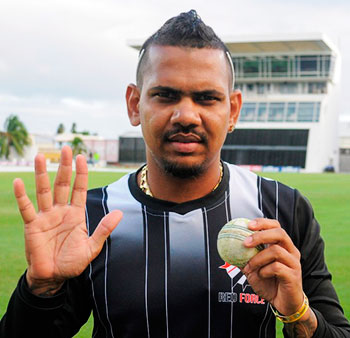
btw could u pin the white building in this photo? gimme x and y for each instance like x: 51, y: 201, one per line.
x: 289, y: 117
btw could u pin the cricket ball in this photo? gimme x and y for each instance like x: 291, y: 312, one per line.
x: 230, y: 243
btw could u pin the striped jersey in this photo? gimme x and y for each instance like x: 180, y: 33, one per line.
x: 160, y: 275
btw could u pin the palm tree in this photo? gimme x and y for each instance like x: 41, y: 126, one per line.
x: 60, y: 129
x: 15, y: 136
x: 78, y: 146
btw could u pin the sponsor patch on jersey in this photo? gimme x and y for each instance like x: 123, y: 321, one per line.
x: 239, y: 286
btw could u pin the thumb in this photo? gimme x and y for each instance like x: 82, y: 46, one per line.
x: 107, y: 224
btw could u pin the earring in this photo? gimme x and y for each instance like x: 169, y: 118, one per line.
x: 231, y: 128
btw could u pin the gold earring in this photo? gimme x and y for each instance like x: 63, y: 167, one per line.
x: 231, y: 128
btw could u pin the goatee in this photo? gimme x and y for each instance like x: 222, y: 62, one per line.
x: 181, y: 171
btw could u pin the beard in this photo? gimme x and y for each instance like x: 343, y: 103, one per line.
x: 182, y: 171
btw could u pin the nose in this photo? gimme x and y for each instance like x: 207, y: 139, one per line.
x: 186, y: 113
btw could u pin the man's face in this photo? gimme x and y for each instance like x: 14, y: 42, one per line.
x: 185, y: 107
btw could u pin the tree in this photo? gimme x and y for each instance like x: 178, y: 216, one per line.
x: 14, y: 136
x: 60, y: 129
x: 78, y: 146
x: 73, y: 130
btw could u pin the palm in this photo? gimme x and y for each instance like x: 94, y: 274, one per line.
x: 57, y: 243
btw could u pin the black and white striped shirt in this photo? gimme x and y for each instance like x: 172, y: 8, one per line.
x: 159, y: 274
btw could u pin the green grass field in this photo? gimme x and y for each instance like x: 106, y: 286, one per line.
x: 328, y: 193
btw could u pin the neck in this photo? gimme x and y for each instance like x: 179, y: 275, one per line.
x: 165, y: 186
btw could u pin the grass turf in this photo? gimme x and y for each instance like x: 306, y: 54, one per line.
x: 328, y: 193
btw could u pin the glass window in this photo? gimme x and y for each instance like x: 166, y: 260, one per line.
x: 262, y: 112
x: 317, y: 112
x: 279, y: 66
x: 291, y: 112
x: 251, y: 67
x: 276, y: 111
x: 248, y: 112
x: 306, y: 112
x: 308, y: 65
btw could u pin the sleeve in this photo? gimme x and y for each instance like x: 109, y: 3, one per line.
x: 61, y: 315
x: 317, y: 282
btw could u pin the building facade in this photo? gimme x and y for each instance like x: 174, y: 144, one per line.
x: 289, y: 117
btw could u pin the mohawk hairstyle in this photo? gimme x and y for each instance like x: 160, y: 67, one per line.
x: 184, y: 30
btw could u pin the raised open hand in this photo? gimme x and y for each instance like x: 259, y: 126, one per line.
x: 57, y: 244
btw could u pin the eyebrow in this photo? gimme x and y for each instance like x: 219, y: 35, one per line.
x: 211, y: 92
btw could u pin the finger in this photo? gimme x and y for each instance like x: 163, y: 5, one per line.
x: 25, y: 206
x: 258, y: 224
x: 80, y: 182
x: 271, y: 236
x: 63, y: 178
x: 103, y: 230
x: 273, y: 253
x: 42, y: 181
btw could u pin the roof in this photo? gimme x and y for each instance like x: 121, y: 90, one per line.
x: 269, y: 44
x: 280, y: 43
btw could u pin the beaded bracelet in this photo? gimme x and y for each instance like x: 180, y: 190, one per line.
x: 295, y: 316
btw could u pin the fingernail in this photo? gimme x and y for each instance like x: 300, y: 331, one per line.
x: 252, y: 224
x: 248, y: 240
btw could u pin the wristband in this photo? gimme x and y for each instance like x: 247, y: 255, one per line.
x: 295, y: 316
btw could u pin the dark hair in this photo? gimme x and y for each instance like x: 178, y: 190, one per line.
x: 184, y: 30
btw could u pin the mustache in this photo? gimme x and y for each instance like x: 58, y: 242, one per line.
x: 185, y: 130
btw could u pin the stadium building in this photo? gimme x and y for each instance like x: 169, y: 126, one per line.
x: 289, y: 119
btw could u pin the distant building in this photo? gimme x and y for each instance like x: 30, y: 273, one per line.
x: 132, y: 148
x: 289, y: 116
x: 107, y: 149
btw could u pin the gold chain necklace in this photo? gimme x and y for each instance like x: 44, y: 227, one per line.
x: 146, y: 189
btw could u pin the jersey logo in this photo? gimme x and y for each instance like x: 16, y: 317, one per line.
x: 235, y: 274
x: 238, y: 278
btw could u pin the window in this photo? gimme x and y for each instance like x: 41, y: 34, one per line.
x: 251, y: 67
x: 291, y: 112
x: 262, y: 112
x: 248, y: 112
x: 276, y: 112
x: 306, y: 112
x: 279, y: 66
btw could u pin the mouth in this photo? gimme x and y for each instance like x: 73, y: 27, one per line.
x: 185, y: 138
x: 184, y: 143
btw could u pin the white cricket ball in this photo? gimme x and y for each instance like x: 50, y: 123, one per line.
x: 230, y: 242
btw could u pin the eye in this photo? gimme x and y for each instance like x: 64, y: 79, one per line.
x: 166, y: 95
x: 206, y: 98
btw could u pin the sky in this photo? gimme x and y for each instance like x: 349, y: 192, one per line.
x: 66, y: 61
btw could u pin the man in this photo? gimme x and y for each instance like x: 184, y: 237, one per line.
x: 158, y: 274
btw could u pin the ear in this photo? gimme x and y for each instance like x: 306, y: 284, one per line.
x: 236, y: 104
x: 132, y: 100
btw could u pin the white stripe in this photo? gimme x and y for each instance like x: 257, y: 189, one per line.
x: 262, y: 322
x: 90, y: 277
x: 276, y: 200
x: 146, y: 272
x: 208, y: 264
x: 231, y: 311
x: 226, y: 208
x: 106, y: 266
x: 166, y: 275
x: 260, y: 193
